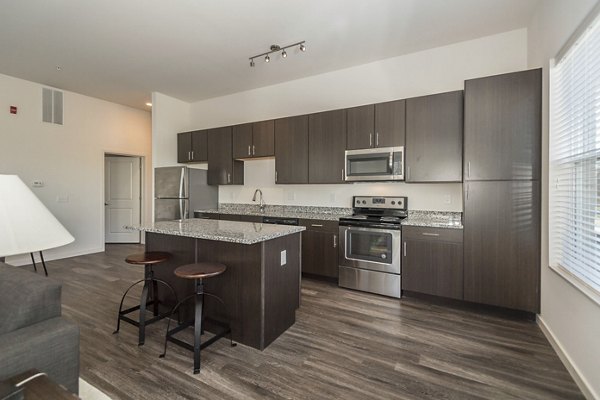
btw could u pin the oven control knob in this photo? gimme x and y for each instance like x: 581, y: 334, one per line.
x: 364, y: 202
x: 393, y: 202
x: 357, y: 201
x: 384, y: 256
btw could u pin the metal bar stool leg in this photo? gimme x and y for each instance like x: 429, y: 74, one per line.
x: 148, y: 281
x: 121, y: 305
x: 198, y: 324
x: 33, y: 262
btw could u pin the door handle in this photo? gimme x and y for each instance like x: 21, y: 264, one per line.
x: 105, y: 204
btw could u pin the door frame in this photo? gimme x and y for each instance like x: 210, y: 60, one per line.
x: 142, y: 189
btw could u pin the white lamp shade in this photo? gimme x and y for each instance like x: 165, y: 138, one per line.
x: 26, y: 225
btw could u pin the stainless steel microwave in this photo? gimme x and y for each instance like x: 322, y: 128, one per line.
x: 379, y: 164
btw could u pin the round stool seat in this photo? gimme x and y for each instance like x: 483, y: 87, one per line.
x: 150, y: 257
x: 200, y: 270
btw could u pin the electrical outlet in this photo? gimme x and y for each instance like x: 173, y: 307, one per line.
x: 447, y: 199
x: 38, y: 184
x: 283, y: 257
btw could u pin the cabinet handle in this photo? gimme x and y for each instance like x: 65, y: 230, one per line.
x: 334, y: 241
x: 192, y: 154
x: 376, y: 139
x: 189, y: 156
x: 228, y: 177
x: 430, y: 234
x: 249, y: 150
x: 467, y: 192
x: 408, y: 172
x: 275, y: 176
x: 468, y: 169
x: 370, y: 140
x: 317, y: 225
x: 343, y: 174
x: 253, y: 150
x: 404, y: 250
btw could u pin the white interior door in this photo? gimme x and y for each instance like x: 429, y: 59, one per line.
x: 122, y: 198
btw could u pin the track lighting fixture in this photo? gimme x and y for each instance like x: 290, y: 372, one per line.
x: 276, y: 48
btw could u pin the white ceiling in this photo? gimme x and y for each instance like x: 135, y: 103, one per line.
x: 122, y: 50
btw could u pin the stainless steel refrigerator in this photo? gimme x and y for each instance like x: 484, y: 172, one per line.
x: 178, y: 191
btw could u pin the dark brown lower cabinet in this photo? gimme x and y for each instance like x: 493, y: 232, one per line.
x: 432, y: 261
x: 502, y: 243
x: 251, y: 218
x: 320, y: 248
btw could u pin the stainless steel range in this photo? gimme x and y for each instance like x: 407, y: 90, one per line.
x: 370, y: 243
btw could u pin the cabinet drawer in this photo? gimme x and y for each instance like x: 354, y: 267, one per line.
x: 229, y: 217
x: 432, y: 234
x: 205, y: 215
x: 319, y: 225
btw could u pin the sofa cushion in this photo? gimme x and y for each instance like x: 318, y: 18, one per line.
x: 26, y: 298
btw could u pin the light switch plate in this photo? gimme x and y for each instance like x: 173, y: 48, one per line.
x: 38, y: 184
x: 283, y: 257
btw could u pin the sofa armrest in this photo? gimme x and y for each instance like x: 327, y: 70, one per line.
x: 26, y: 298
x: 51, y: 346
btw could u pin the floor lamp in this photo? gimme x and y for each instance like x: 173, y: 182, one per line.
x: 26, y: 225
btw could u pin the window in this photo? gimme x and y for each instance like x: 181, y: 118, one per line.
x: 575, y: 159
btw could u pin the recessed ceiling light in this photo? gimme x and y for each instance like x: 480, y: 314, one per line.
x: 58, y: 68
x: 149, y: 104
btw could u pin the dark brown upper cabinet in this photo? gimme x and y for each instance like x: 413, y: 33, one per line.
x: 390, y: 118
x: 291, y: 150
x: 326, y: 144
x: 376, y: 125
x: 254, y: 140
x: 502, y: 243
x: 361, y: 127
x: 222, y: 168
x: 503, y: 126
x: 192, y: 147
x: 432, y: 261
x: 434, y: 133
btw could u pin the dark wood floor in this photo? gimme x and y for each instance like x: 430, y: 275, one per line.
x: 344, y: 345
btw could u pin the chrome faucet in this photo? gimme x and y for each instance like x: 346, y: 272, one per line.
x: 261, y: 201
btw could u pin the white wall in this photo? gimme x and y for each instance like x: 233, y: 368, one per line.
x: 169, y: 116
x: 430, y: 71
x: 70, y: 158
x: 570, y: 318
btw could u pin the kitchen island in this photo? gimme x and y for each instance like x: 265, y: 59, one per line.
x: 261, y: 287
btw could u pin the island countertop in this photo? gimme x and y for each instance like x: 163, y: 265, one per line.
x: 223, y: 231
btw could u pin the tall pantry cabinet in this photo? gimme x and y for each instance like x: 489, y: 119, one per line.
x: 501, y: 173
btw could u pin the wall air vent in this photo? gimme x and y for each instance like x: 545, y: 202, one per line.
x: 52, y: 106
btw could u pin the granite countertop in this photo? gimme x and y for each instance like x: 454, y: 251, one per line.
x: 223, y: 231
x: 434, y: 219
x: 302, y: 212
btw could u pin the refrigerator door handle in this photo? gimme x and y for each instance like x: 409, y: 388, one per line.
x: 182, y: 183
x: 181, y: 209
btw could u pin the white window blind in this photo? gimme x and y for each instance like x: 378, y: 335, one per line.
x: 575, y: 159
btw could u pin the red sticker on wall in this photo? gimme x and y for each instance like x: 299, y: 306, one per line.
x: 13, y: 109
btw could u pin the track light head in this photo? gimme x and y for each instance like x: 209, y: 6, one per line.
x: 252, y: 62
x: 283, y: 54
x: 302, y: 47
x: 267, y: 58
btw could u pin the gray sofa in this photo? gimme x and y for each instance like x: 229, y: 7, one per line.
x: 32, y: 332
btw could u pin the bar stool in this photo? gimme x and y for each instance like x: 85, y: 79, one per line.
x: 198, y: 272
x: 148, y: 260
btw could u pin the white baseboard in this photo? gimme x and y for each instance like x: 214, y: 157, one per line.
x: 26, y: 259
x: 567, y: 361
